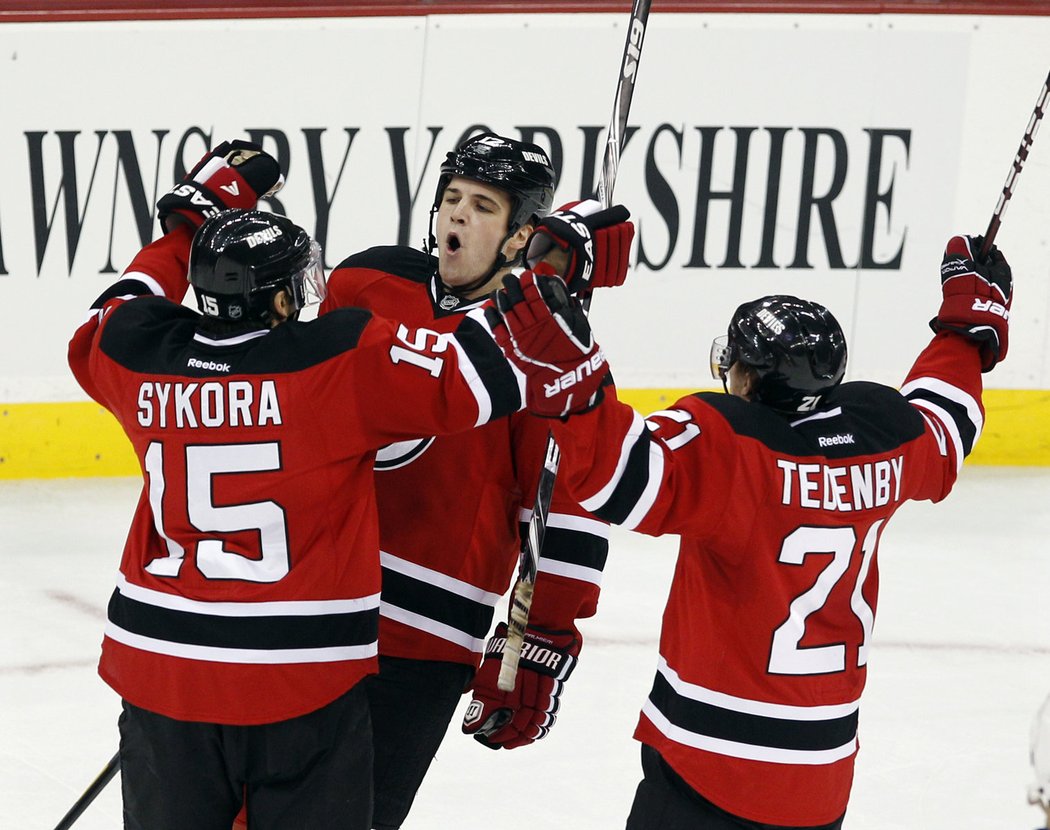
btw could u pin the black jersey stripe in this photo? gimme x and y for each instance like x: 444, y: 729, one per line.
x: 433, y: 602
x: 726, y: 724
x: 486, y: 359
x: 123, y: 288
x: 631, y: 486
x: 968, y: 431
x: 257, y: 633
x: 573, y: 547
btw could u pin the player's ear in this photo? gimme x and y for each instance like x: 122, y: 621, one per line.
x: 517, y: 241
x: 282, y: 306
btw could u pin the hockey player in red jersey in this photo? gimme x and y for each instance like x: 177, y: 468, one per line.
x: 450, y: 508
x: 780, y: 491
x: 246, y: 611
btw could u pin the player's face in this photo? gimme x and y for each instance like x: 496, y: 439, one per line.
x: 471, y: 223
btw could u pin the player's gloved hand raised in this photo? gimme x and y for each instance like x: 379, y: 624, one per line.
x: 544, y: 332
x: 512, y: 719
x: 977, y: 297
x: 596, y: 242
x: 235, y: 174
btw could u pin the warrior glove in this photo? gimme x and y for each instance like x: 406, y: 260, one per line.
x: 511, y: 719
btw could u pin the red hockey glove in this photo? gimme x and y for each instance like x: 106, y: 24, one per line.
x: 512, y: 719
x: 544, y: 332
x: 977, y: 297
x: 597, y: 241
x: 236, y: 174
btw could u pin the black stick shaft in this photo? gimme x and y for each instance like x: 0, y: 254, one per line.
x: 1015, y: 169
x: 90, y: 794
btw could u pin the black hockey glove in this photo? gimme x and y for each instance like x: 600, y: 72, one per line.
x: 977, y: 297
x: 236, y: 174
x: 544, y: 332
x: 597, y: 242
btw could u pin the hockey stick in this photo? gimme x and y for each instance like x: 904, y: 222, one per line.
x: 90, y: 794
x: 521, y: 601
x: 1015, y: 169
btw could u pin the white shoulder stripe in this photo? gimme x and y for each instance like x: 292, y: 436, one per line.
x: 477, y: 387
x: 949, y: 425
x: 580, y: 524
x: 594, y: 503
x: 567, y: 569
x: 952, y: 393
x: 938, y: 433
x: 652, y: 488
x: 145, y: 279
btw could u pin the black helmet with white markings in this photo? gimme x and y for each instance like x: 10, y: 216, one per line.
x: 795, y: 346
x: 520, y: 168
x: 240, y: 259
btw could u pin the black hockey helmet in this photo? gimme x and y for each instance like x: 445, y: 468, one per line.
x: 796, y: 347
x: 520, y: 168
x: 240, y: 258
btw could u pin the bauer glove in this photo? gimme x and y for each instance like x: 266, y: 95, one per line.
x: 545, y: 334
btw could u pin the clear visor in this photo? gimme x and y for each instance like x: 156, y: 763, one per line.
x: 310, y: 284
x: 720, y: 357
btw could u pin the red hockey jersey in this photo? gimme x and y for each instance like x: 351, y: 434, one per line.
x: 765, y: 637
x: 249, y: 585
x: 451, y: 508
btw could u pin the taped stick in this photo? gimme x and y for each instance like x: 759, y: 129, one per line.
x: 521, y: 601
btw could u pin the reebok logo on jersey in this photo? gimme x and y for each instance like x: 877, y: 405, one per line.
x: 210, y: 365
x: 836, y: 440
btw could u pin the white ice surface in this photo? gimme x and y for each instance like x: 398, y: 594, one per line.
x: 959, y: 665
